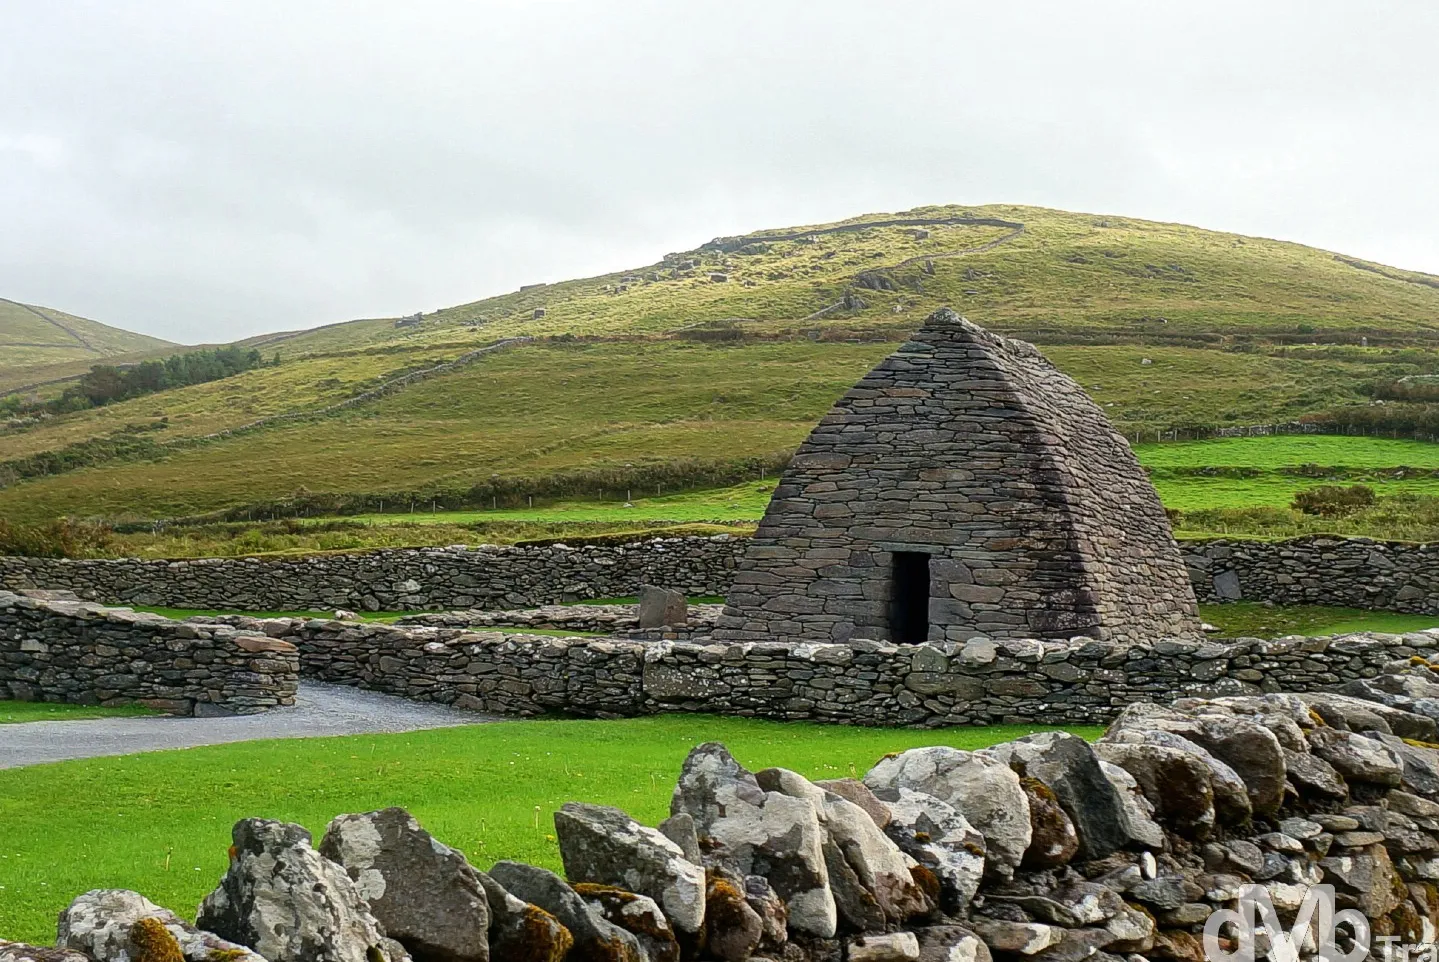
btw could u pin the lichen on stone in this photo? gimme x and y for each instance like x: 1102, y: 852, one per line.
x: 151, y: 941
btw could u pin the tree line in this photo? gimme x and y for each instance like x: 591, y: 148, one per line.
x: 107, y: 384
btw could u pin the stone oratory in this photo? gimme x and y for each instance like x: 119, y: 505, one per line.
x: 964, y: 487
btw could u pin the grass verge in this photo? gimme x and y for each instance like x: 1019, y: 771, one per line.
x: 20, y: 712
x: 160, y: 823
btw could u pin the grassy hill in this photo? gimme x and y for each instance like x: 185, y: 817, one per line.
x: 726, y: 355
x: 42, y: 337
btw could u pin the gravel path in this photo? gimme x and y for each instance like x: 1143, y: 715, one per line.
x: 318, y: 710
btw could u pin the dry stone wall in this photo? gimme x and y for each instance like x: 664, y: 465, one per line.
x: 1348, y: 572
x: 84, y: 654
x: 868, y: 683
x: 487, y: 576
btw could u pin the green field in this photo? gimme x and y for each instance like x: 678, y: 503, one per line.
x: 1245, y: 619
x: 678, y: 370
x: 159, y: 823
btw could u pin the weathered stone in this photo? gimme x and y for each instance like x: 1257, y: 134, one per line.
x: 1366, y: 880
x: 1018, y: 938
x: 662, y: 607
x: 1231, y: 796
x: 1250, y: 750
x: 733, y: 928
x: 760, y: 833
x: 595, y: 938
x: 1053, y: 840
x: 605, y: 846
x: 1068, y: 766
x: 638, y: 915
x: 283, y: 899
x: 936, y: 835
x: 1139, y: 824
x: 853, y: 790
x: 1360, y: 715
x: 985, y: 791
x: 20, y: 952
x: 523, y: 932
x: 1312, y: 774
x: 1357, y: 758
x: 1420, y: 765
x: 877, y: 862
x: 424, y: 893
x: 950, y: 943
x: 894, y: 947
x: 1177, y: 783
x: 99, y: 924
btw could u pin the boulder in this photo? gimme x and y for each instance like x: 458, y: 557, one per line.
x: 425, y: 894
x: 1250, y: 750
x: 854, y: 790
x: 1177, y: 783
x: 1053, y: 839
x: 1231, y: 796
x: 1365, y: 880
x: 766, y: 903
x: 638, y: 915
x: 1310, y: 774
x: 521, y: 932
x: 1139, y: 823
x: 680, y: 829
x: 1370, y: 713
x: 1420, y: 773
x: 733, y: 928
x: 985, y: 791
x: 1357, y: 758
x: 760, y: 833
x: 662, y: 608
x: 938, y: 837
x: 1068, y: 766
x: 894, y: 947
x: 596, y: 939
x: 878, y: 863
x: 100, y: 924
x: 604, y: 846
x: 283, y: 899
x: 950, y: 943
x: 1016, y: 938
x: 20, y: 952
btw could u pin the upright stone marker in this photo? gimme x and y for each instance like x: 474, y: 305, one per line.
x: 964, y: 487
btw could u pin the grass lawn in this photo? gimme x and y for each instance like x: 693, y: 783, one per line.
x: 1253, y: 620
x: 19, y: 712
x: 159, y: 823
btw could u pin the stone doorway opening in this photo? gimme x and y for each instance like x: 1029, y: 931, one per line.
x: 909, y: 598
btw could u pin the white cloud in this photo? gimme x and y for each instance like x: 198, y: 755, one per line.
x: 204, y: 170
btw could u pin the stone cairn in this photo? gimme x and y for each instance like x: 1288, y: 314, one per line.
x: 1046, y: 848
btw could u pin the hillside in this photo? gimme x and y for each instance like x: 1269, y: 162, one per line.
x: 727, y: 354
x: 40, y: 337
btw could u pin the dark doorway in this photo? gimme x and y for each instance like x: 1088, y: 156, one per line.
x: 909, y: 598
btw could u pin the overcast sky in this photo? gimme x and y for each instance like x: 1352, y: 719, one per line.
x: 202, y: 171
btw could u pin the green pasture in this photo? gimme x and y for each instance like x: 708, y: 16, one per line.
x: 159, y: 823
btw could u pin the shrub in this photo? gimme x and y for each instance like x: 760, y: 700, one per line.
x: 1332, y: 500
x: 56, y: 539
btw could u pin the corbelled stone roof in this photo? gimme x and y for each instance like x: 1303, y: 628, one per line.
x: 974, y: 450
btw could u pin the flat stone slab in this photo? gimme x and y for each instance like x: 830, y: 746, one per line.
x: 319, y: 710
